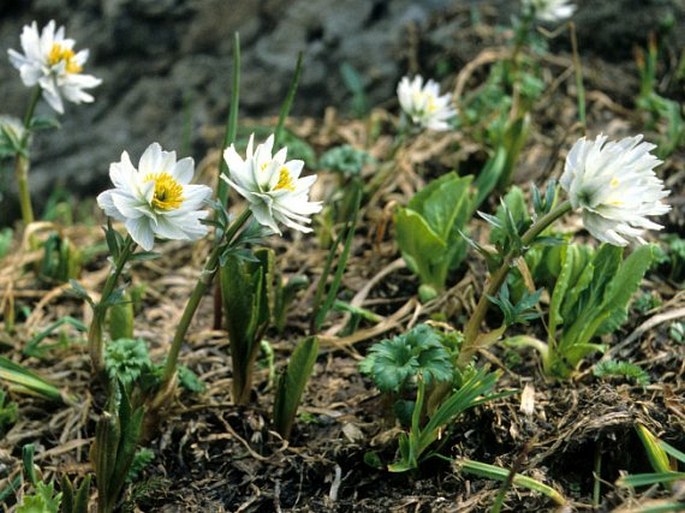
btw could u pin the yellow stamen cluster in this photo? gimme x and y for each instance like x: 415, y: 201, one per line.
x: 168, y: 192
x: 285, y: 180
x: 59, y: 54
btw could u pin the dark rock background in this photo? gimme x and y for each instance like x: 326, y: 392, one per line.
x: 161, y: 59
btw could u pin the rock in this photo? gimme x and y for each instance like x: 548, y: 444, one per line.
x: 163, y: 59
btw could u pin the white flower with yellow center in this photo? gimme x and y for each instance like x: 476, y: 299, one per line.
x: 272, y: 186
x: 549, y: 10
x: 424, y: 104
x: 49, y: 60
x: 156, y: 199
x: 615, y: 186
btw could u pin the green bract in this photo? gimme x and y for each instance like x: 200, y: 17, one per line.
x: 428, y: 229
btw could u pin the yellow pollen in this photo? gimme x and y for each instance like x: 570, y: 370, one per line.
x: 285, y: 181
x: 263, y: 166
x: 168, y: 192
x: 614, y: 182
x: 431, y: 107
x: 58, y: 54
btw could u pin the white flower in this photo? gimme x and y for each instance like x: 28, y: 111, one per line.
x: 272, y: 186
x: 549, y: 10
x: 50, y: 61
x: 156, y: 199
x: 615, y: 186
x: 423, y: 103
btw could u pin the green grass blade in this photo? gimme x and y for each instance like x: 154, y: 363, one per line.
x: 502, y: 474
x: 669, y: 449
x: 656, y: 455
x: 292, y: 383
x: 27, y: 381
x: 232, y: 121
x: 320, y: 310
x: 636, y: 480
x: 288, y: 103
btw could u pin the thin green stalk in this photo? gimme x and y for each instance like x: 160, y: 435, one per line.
x: 578, y: 68
x: 229, y: 138
x: 472, y: 327
x: 95, y: 345
x: 208, y: 273
x: 22, y: 164
x: 288, y: 103
x: 232, y: 121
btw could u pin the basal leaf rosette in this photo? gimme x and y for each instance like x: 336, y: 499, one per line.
x: 614, y: 185
x: 156, y: 199
x: 424, y: 104
x: 49, y: 60
x: 272, y: 186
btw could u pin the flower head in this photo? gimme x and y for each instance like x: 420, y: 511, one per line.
x: 615, y: 186
x: 549, y: 10
x: 156, y: 199
x: 423, y: 103
x: 49, y: 60
x: 272, y: 186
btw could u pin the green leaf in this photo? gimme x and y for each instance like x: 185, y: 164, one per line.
x: 623, y: 286
x: 429, y: 230
x: 323, y: 305
x: 442, y: 203
x: 121, y: 319
x: 515, y: 203
x: 44, y: 123
x: 468, y: 395
x: 189, y: 380
x: 126, y: 359
x: 81, y: 293
x: 26, y: 381
x: 421, y: 247
x: 502, y: 474
x: 657, y: 456
x: 291, y: 385
x: 248, y: 292
x: 75, y: 503
x: 44, y: 500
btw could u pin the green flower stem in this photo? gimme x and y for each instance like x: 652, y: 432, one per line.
x: 208, y: 273
x: 22, y: 164
x: 95, y: 345
x: 472, y: 328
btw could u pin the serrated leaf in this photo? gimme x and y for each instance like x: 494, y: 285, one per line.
x: 623, y: 286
